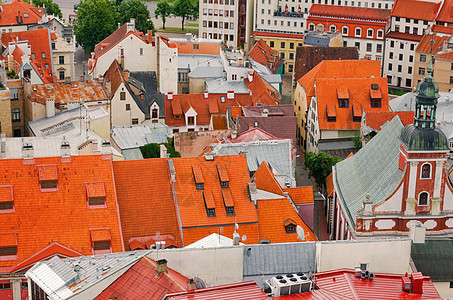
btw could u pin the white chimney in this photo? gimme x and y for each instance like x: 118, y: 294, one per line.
x: 65, y: 148
x: 209, y: 156
x: 170, y: 95
x: 252, y: 192
x: 163, y: 151
x: 230, y: 94
x: 50, y: 108
x: 265, y: 113
x: 206, y: 94
x: 131, y: 25
x: 417, y: 232
x: 27, y: 150
x: 188, y: 36
x: 106, y: 147
x: 250, y: 76
x: 234, y: 134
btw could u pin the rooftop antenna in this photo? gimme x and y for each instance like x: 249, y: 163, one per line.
x: 301, y: 234
x: 157, y: 242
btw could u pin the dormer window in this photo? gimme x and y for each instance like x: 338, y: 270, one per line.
x: 191, y: 120
x: 95, y: 194
x: 48, y: 178
x: 228, y: 202
x: 331, y: 112
x: 290, y: 226
x: 8, y: 246
x: 223, y: 176
x: 375, y: 96
x: 198, y: 177
x: 209, y: 204
x: 101, y: 241
x: 343, y: 98
x: 6, y: 199
x: 356, y: 113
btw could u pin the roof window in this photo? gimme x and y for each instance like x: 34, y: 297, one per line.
x: 8, y: 246
x: 375, y: 96
x: 223, y: 176
x: 48, y: 178
x: 198, y: 177
x: 6, y: 199
x: 95, y: 194
x: 209, y: 204
x: 331, y: 112
x: 101, y: 241
x: 228, y: 201
x: 290, y: 226
x: 343, y: 98
x: 356, y: 113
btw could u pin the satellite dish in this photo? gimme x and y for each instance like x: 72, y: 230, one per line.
x: 199, y: 283
x: 244, y: 238
x: 300, y: 233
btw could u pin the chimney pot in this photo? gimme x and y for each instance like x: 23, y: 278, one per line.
x: 161, y: 266
x: 206, y: 94
x: 170, y: 95
x: 230, y: 94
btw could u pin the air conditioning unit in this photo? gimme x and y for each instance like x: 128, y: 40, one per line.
x: 289, y: 284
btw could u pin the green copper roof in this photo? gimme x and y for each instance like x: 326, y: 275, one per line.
x: 434, y: 258
x: 374, y: 170
x: 418, y: 139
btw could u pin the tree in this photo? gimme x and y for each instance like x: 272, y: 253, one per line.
x: 51, y: 8
x: 96, y: 20
x: 163, y: 10
x: 136, y: 9
x: 183, y: 9
x: 151, y: 150
x: 319, y: 166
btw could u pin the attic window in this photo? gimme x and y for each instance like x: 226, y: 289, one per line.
x: 48, y: 178
x: 8, y: 246
x: 6, y: 199
x: 356, y: 113
x: 228, y: 202
x: 25, y: 15
x: 223, y: 176
x: 222, y: 99
x: 290, y: 226
x: 331, y: 113
x: 209, y: 204
x: 101, y: 241
x: 196, y: 46
x: 375, y: 96
x: 95, y: 194
x: 343, y: 98
x: 198, y: 177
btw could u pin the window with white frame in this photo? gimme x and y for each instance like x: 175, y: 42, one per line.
x: 345, y: 30
x: 333, y: 28
x: 358, y: 31
x: 423, y: 199
x: 369, y: 33
x: 426, y: 171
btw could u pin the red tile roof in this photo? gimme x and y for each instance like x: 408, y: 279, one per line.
x: 238, y: 291
x: 442, y: 29
x: 416, y: 9
x: 115, y: 75
x: 265, y: 180
x: 278, y: 35
x: 141, y: 282
x: 446, y: 12
x: 301, y: 194
x: 350, y: 12
x: 329, y: 184
x: 403, y: 36
x: 203, y: 48
x: 146, y: 207
x: 261, y: 91
x: 254, y: 134
x: 85, y: 91
x: 280, y: 127
x: 425, y: 45
x: 343, y: 284
x: 39, y: 40
x: 265, y: 55
x: 16, y: 10
x: 375, y: 119
x: 446, y: 55
x: 273, y: 215
x: 359, y: 90
x: 61, y: 215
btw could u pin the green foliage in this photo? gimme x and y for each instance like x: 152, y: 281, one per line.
x: 163, y: 10
x: 357, y: 140
x: 397, y: 92
x: 319, y: 166
x: 11, y: 74
x: 136, y: 9
x: 185, y: 9
x: 152, y: 150
x: 96, y: 20
x: 51, y: 8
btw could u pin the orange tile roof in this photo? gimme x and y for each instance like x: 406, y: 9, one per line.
x: 261, y: 91
x: 114, y: 74
x: 375, y: 119
x: 265, y: 55
x: 404, y: 36
x: 265, y: 180
x: 219, y: 122
x: 339, y: 69
x: 85, y: 91
x: 146, y: 207
x: 350, y: 12
x: 446, y: 55
x: 61, y: 216
x: 446, y: 12
x: 14, y: 11
x: 359, y: 90
x: 425, y: 45
x: 203, y: 48
x: 38, y: 40
x: 442, y: 29
x: 415, y: 9
x: 278, y: 35
x: 329, y: 184
x: 301, y: 194
x: 272, y: 215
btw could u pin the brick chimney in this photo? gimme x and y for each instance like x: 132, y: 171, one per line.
x: 161, y: 266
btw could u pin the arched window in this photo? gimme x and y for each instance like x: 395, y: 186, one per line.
x: 333, y: 28
x: 345, y: 30
x: 358, y: 31
x: 380, y: 34
x: 426, y: 170
x: 369, y: 32
x: 423, y: 198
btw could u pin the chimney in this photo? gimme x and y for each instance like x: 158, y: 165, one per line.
x: 417, y: 282
x: 131, y: 25
x: 367, y: 205
x: 206, y: 94
x: 236, y: 239
x: 67, y: 80
x: 417, y: 232
x: 230, y: 94
x: 126, y: 75
x: 265, y: 113
x: 250, y: 76
x: 171, y: 167
x: 108, y: 87
x: 191, y: 285
x: 2, y: 144
x: 209, y: 156
x: 106, y: 147
x: 170, y: 95
x: 188, y: 36
x: 252, y: 192
x: 82, y: 78
x: 234, y: 134
x: 161, y: 266
x: 163, y: 151
x: 27, y: 150
x: 50, y: 108
x: 65, y: 148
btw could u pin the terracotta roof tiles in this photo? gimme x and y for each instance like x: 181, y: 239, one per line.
x: 301, y: 194
x: 403, y: 36
x: 265, y: 180
x: 375, y: 119
x: 416, y: 9
x: 20, y: 11
x: 350, y: 12
x: 425, y: 43
x: 265, y: 55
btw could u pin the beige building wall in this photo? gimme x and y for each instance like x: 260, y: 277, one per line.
x: 17, y: 102
x: 300, y: 108
x: 197, y: 85
x: 444, y: 290
x: 101, y: 127
x: 5, y: 113
x: 443, y: 71
x: 119, y: 114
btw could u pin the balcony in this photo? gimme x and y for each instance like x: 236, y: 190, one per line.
x: 288, y: 15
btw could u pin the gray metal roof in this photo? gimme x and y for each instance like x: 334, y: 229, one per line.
x: 279, y: 258
x: 272, y: 78
x: 132, y: 154
x: 206, y: 72
x: 314, y: 40
x: 373, y: 169
x: 277, y: 153
x: 64, y: 278
x: 186, y: 61
x: 222, y: 86
x: 134, y: 136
